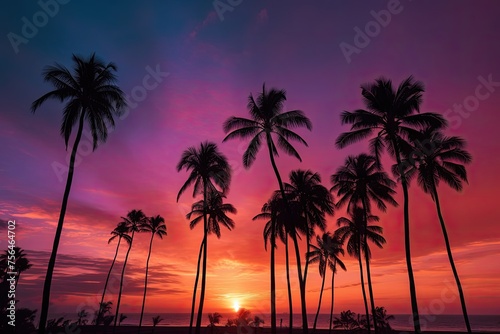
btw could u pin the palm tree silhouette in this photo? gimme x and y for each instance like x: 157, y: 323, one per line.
x: 156, y: 321
x: 357, y: 232
x: 21, y: 263
x: 278, y: 225
x: 394, y: 116
x: 208, y: 168
x: 120, y: 232
x: 134, y: 221
x: 93, y: 96
x: 442, y: 160
x: 326, y: 255
x: 156, y: 226
x: 315, y: 200
x: 268, y: 120
x: 333, y: 267
x: 358, y: 182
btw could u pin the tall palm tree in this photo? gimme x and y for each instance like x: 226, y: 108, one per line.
x: 358, y: 182
x: 267, y: 121
x: 278, y: 225
x: 208, y: 168
x: 134, y: 221
x: 357, y: 232
x: 393, y: 115
x: 442, y: 159
x: 315, y: 200
x: 156, y: 226
x: 326, y: 255
x: 120, y: 232
x: 91, y: 95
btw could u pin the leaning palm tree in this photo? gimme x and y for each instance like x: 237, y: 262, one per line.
x: 91, y: 96
x: 333, y: 267
x: 120, y: 232
x: 359, y: 182
x: 156, y: 226
x: 326, y: 255
x: 267, y: 121
x: 208, y: 168
x: 134, y: 221
x: 357, y: 232
x: 442, y: 159
x: 315, y: 201
x: 394, y: 116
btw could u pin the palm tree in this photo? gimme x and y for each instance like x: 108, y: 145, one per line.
x: 214, y: 318
x: 21, y: 262
x: 347, y: 321
x: 156, y: 226
x: 394, y: 116
x: 442, y: 160
x: 358, y: 182
x: 82, y: 318
x: 120, y: 232
x: 326, y: 255
x: 277, y: 225
x: 383, y: 319
x: 91, y: 95
x: 122, y: 317
x: 134, y: 221
x: 315, y: 200
x: 356, y: 230
x: 268, y: 120
x: 156, y: 321
x: 333, y: 267
x: 208, y: 168
x: 103, y: 312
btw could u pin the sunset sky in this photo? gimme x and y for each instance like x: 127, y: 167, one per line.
x: 214, y: 61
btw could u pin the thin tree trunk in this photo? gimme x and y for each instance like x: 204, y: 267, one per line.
x: 368, y: 322
x: 204, y: 266
x: 320, y: 296
x: 411, y: 279
x: 450, y: 258
x: 146, y: 280
x: 52, y: 261
x: 308, y: 244
x: 368, y: 274
x: 331, y: 306
x: 195, y: 287
x: 302, y: 292
x: 109, y: 275
x: 121, y: 282
x: 273, y: 272
x: 290, y: 305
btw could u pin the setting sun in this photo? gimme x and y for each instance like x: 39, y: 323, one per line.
x: 236, y: 306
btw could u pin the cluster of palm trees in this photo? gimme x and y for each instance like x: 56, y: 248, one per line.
x: 135, y: 221
x: 391, y: 121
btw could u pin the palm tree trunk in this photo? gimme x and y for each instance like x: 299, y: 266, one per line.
x: 320, y: 296
x: 368, y: 322
x: 450, y: 258
x: 302, y: 290
x: 308, y: 244
x: 109, y: 275
x: 204, y: 266
x: 52, y: 261
x: 273, y: 273
x: 121, y: 282
x: 146, y: 280
x: 290, y: 305
x: 406, y: 210
x: 331, y: 305
x: 195, y: 287
x: 368, y: 274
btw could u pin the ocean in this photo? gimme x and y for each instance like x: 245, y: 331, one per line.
x: 402, y: 322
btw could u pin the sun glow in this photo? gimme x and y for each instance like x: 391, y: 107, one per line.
x: 236, y: 306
